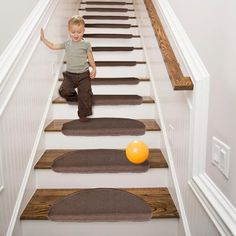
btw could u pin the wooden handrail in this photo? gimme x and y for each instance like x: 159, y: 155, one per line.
x: 178, y: 80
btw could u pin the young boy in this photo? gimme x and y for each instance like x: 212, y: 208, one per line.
x: 77, y: 74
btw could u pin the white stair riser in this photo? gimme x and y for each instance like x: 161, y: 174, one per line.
x: 143, y: 111
x: 135, y: 55
x: 142, y: 88
x: 155, y: 227
x: 154, y: 177
x: 140, y: 70
x: 103, y: 21
x: 109, y: 42
x: 93, y: 13
x: 56, y: 140
x: 132, y: 30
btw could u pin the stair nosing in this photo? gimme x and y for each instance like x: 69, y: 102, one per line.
x: 140, y: 79
x: 145, y: 100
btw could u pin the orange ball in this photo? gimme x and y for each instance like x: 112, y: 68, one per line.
x: 137, y: 152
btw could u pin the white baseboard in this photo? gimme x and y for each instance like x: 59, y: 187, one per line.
x: 218, y: 207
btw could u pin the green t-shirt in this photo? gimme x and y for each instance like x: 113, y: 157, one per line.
x: 76, y: 56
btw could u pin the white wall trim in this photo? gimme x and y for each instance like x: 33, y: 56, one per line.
x: 218, y: 207
x: 30, y: 165
x: 8, y: 61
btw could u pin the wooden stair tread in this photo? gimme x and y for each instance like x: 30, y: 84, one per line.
x: 106, y: 3
x: 159, y: 200
x: 156, y: 158
x: 117, y: 63
x: 100, y: 17
x: 105, y: 9
x: 108, y: 25
x: 102, y: 49
x: 60, y: 100
x: 145, y: 79
x: 56, y: 125
x: 121, y: 36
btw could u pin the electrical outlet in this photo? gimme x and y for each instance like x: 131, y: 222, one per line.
x: 221, y: 156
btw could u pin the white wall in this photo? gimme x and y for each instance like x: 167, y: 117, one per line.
x: 210, y: 26
x: 12, y: 16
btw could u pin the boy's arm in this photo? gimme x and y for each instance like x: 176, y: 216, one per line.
x: 50, y: 44
x: 92, y: 64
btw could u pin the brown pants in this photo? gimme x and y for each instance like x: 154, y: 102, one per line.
x: 82, y: 82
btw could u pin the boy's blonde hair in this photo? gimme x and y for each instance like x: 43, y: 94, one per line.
x: 76, y: 20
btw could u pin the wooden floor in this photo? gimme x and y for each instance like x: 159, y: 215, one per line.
x: 156, y: 158
x: 56, y: 125
x: 159, y: 200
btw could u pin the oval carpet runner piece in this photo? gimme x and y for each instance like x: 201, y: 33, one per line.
x: 110, y: 99
x: 102, y: 204
x: 117, y: 99
x: 122, y: 80
x: 104, y: 127
x: 96, y: 161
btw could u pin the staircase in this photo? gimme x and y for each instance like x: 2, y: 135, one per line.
x: 121, y: 90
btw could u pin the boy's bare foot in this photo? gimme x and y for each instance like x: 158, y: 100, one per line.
x: 83, y: 119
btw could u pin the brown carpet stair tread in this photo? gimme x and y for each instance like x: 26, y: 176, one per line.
x: 108, y: 49
x: 102, y: 9
x: 56, y: 125
x: 116, y: 81
x: 96, y: 161
x: 104, y: 127
x: 106, y: 3
x: 112, y: 100
x: 121, y: 36
x: 156, y: 158
x: 108, y: 25
x: 159, y: 200
x: 100, y: 204
x: 117, y: 63
x: 101, y: 17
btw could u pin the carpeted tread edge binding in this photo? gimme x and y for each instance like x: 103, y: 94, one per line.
x: 96, y: 161
x: 109, y: 25
x: 100, y: 204
x: 103, y: 17
x: 104, y: 127
x: 121, y: 36
x: 106, y: 3
x: 106, y: 9
x: 111, y: 100
x: 117, y: 63
x: 116, y: 81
